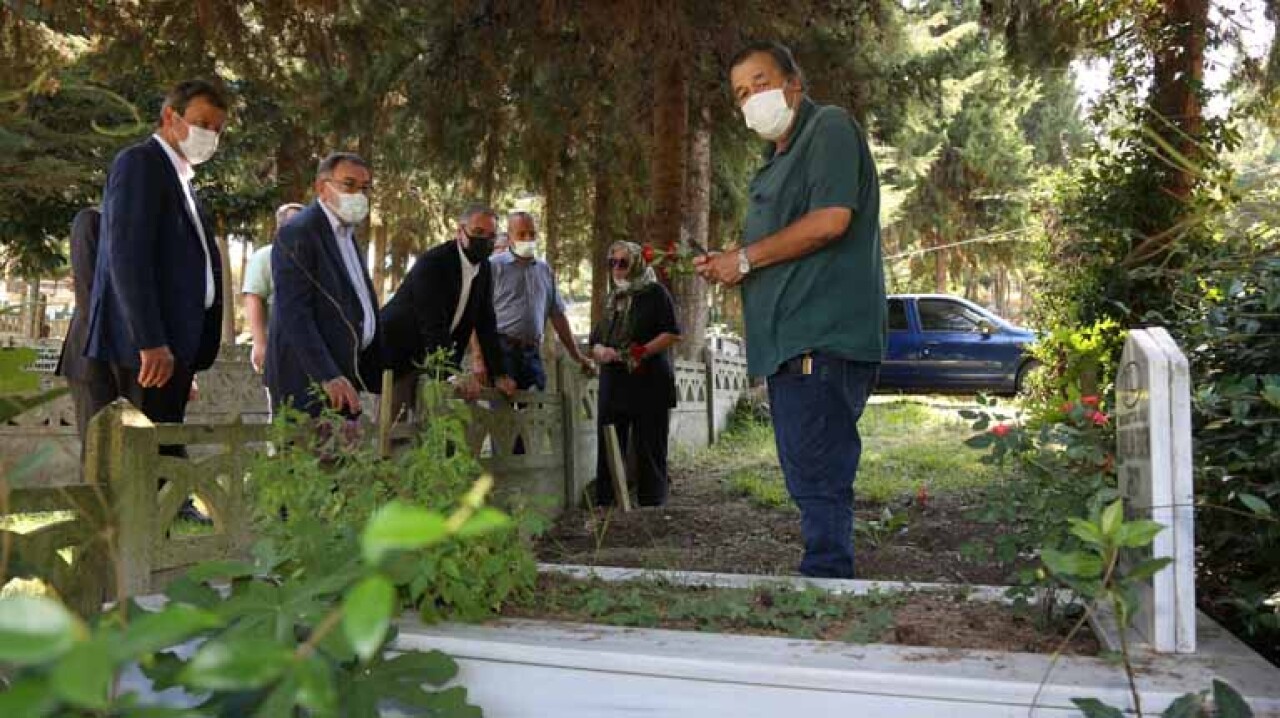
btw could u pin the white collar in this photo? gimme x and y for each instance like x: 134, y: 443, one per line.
x: 180, y: 164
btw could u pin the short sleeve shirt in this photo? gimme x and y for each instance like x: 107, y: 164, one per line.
x: 524, y: 296
x: 832, y: 300
x: 257, y: 274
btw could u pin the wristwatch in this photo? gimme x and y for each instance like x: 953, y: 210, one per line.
x: 744, y: 264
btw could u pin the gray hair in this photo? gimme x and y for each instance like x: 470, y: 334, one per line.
x: 284, y: 210
x: 331, y: 162
x: 521, y: 214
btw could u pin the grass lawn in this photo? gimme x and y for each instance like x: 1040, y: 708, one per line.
x: 906, y: 444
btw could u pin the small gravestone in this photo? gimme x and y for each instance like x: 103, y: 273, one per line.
x: 1153, y: 437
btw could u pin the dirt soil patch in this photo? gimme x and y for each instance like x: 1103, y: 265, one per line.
x: 706, y: 527
x: 939, y: 619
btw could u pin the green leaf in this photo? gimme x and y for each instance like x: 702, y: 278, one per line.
x: 167, y: 627
x: 236, y: 664
x: 1255, y: 504
x: 1076, y: 563
x: 28, y: 697
x: 1094, y: 708
x: 210, y: 570
x: 1147, y: 569
x: 184, y: 590
x: 280, y: 701
x: 483, y: 521
x: 1086, y: 531
x: 1134, y: 534
x: 432, y: 667
x: 1229, y: 702
x: 1112, y: 517
x: 35, y: 629
x: 1189, y: 705
x: 316, y: 692
x: 979, y: 441
x: 83, y: 677
x: 399, y: 526
x: 366, y: 614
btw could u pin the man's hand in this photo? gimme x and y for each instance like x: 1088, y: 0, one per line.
x: 588, y: 368
x: 604, y: 354
x: 468, y: 387
x: 342, y: 394
x: 193, y: 394
x: 719, y: 267
x: 506, y: 385
x: 258, y: 356
x: 157, y: 367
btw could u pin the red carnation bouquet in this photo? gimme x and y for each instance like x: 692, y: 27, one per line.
x: 671, y: 260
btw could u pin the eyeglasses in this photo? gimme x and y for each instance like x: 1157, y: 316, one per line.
x: 623, y: 263
x: 350, y: 186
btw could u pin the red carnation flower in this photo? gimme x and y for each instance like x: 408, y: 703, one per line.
x: 637, y: 351
x: 1067, y: 407
x: 647, y: 253
x: 1090, y: 400
x: 1099, y: 419
x: 1000, y: 430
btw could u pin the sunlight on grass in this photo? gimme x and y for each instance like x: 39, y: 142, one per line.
x: 26, y: 523
x: 905, y: 445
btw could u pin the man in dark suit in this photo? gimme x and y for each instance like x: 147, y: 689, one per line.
x: 447, y: 295
x: 324, y: 321
x: 90, y: 380
x: 156, y: 306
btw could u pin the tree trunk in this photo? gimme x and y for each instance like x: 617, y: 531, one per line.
x: 1177, y: 75
x: 380, y: 260
x: 670, y: 135
x: 602, y: 235
x: 939, y: 267
x: 690, y: 289
x: 31, y: 309
x: 228, y: 297
x: 551, y: 213
x: 294, y: 171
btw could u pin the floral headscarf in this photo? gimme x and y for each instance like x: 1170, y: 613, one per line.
x: 617, y: 308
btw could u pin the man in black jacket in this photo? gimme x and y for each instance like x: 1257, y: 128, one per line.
x: 90, y: 380
x: 447, y: 295
x: 325, y: 342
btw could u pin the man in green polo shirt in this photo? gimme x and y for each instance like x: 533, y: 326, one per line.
x: 812, y: 291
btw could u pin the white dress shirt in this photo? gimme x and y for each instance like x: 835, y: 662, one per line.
x: 355, y: 272
x: 469, y: 272
x: 185, y: 173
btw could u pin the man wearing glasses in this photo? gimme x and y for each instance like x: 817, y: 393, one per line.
x: 446, y: 296
x: 324, y: 320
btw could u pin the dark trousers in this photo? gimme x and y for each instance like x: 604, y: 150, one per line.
x: 649, y: 430
x: 165, y: 404
x: 523, y: 364
x: 91, y: 392
x: 815, y: 424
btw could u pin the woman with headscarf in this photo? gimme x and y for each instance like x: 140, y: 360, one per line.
x: 637, y: 380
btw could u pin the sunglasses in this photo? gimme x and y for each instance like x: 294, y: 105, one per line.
x: 623, y: 263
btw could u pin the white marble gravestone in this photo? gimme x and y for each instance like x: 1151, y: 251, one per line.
x: 1153, y: 437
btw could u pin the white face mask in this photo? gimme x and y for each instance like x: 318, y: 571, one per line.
x: 524, y: 250
x: 352, y: 208
x: 199, y: 145
x: 622, y: 284
x: 767, y: 113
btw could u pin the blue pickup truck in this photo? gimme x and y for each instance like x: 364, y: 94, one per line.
x: 941, y: 343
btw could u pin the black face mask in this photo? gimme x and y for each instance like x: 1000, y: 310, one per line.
x: 478, y: 248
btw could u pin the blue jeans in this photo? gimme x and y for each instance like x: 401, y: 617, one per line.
x: 524, y: 365
x: 815, y: 425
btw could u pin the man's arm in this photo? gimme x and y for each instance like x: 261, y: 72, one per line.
x: 132, y: 221
x: 255, y: 310
x: 802, y: 237
x: 560, y: 323
x: 84, y: 255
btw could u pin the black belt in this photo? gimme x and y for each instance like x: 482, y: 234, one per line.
x: 800, y: 364
x: 518, y: 342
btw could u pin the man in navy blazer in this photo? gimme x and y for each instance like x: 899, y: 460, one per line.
x: 324, y: 344
x: 156, y: 306
x: 447, y: 294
